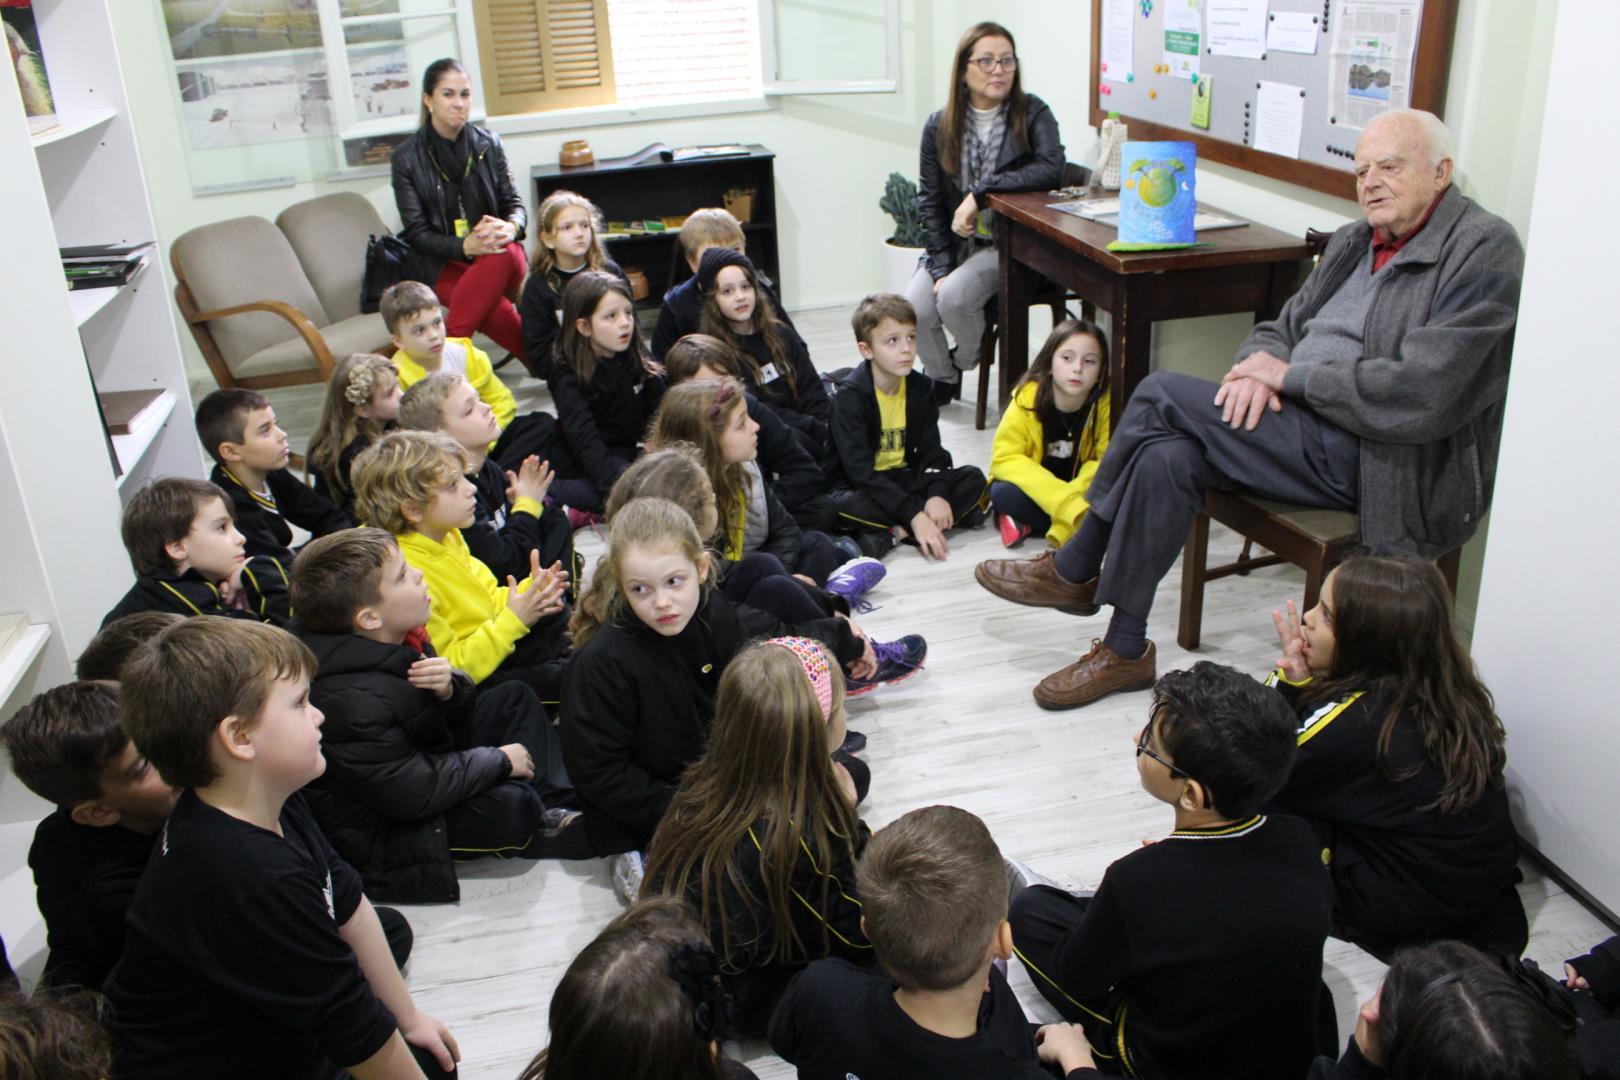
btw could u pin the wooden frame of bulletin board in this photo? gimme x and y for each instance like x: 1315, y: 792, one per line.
x: 1169, y: 113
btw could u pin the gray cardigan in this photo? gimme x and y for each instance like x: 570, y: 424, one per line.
x: 1426, y: 396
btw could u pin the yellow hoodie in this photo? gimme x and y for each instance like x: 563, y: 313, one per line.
x: 469, y: 622
x: 462, y: 356
x: 1020, y: 447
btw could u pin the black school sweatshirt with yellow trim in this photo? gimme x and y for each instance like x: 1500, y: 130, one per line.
x: 1208, y: 946
x: 264, y: 594
x: 1401, y: 873
x: 262, y: 518
x: 826, y: 915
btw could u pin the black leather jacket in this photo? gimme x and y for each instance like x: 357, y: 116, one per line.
x: 425, y: 199
x: 1034, y: 167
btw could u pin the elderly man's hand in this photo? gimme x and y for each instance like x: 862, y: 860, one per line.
x: 1262, y: 367
x: 1244, y: 400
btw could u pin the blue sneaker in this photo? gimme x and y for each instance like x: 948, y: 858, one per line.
x: 855, y: 579
x: 847, y: 547
x: 897, y: 662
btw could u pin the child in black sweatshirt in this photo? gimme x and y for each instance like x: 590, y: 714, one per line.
x: 189, y: 559
x: 762, y: 834
x: 69, y: 748
x: 421, y: 767
x: 932, y: 888
x: 887, y: 466
x: 651, y: 640
x: 238, y: 429
x: 1200, y: 954
x: 566, y: 243
x: 1400, y: 762
x: 605, y: 395
x: 775, y: 361
x: 362, y: 402
x: 794, y: 472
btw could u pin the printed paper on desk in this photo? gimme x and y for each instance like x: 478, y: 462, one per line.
x: 1279, y: 118
x: 1237, y: 28
x: 1117, y: 30
x: 1292, y: 31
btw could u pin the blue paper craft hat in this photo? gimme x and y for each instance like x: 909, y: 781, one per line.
x: 1158, y: 193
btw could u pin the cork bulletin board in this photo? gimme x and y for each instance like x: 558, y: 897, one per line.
x: 1340, y: 85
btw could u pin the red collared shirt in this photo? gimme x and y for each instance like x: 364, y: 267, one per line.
x: 1384, y: 249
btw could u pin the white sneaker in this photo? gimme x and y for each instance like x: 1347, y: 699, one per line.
x: 628, y: 870
x: 1021, y: 877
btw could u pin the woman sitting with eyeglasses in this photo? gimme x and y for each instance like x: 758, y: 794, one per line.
x: 990, y: 136
x: 460, y: 212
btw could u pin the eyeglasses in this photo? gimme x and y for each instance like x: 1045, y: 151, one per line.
x: 1142, y: 747
x: 987, y: 64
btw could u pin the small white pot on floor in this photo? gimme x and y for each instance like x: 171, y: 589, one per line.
x: 899, y: 265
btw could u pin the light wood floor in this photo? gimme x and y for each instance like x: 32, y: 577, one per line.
x: 1058, y: 790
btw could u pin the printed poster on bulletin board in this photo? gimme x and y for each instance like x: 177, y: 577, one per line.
x: 1183, y: 33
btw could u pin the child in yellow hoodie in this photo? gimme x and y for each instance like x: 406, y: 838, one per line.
x: 414, y: 484
x: 1052, y: 437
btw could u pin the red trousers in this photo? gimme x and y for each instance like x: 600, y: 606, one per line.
x: 479, y: 295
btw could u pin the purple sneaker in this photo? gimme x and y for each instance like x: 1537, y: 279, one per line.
x: 897, y: 662
x: 855, y: 579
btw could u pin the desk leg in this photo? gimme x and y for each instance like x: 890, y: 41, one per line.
x: 1017, y: 285
x: 1133, y: 347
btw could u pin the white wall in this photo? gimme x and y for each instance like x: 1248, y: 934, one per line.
x: 1542, y: 638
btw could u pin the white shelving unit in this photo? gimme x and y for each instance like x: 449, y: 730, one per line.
x: 62, y: 478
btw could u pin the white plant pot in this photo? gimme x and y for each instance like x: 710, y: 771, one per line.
x: 899, y: 264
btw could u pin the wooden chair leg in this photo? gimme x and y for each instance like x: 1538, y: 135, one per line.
x: 1450, y: 563
x: 1243, y: 556
x: 1315, y: 574
x: 1193, y: 561
x: 987, y: 357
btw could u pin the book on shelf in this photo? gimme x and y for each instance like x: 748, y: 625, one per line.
x: 28, y: 65
x: 101, y: 275
x: 104, y: 253
x: 128, y: 411
x: 698, y: 153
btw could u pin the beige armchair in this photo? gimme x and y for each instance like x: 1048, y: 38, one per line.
x: 273, y: 306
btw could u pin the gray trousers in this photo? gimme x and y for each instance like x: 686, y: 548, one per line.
x: 957, y: 307
x: 1171, y: 446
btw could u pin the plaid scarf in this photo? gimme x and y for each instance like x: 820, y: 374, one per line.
x: 979, y: 156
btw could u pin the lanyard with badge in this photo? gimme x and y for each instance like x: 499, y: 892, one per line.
x: 461, y: 225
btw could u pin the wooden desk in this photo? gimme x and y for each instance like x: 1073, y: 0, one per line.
x: 1252, y: 269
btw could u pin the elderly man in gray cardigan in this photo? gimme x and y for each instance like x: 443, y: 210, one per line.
x: 1378, y: 389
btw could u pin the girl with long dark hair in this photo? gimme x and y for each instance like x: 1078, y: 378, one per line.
x: 1400, y: 762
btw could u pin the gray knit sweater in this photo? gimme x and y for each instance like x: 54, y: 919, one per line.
x: 1425, y: 397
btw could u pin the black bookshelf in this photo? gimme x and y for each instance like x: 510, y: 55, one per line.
x: 655, y: 189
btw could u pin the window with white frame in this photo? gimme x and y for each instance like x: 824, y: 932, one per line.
x: 263, y: 88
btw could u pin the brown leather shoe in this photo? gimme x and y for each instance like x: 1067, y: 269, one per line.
x: 1036, y: 583
x: 1100, y: 672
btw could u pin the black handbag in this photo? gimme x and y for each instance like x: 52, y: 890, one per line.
x: 385, y: 267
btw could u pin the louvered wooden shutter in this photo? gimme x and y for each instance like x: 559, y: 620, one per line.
x: 539, y: 55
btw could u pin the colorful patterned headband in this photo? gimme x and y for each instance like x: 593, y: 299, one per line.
x: 816, y: 668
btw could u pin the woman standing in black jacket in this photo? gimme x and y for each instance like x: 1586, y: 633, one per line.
x: 991, y: 136
x: 461, y: 213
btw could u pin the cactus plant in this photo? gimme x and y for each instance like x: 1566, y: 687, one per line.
x: 900, y: 202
